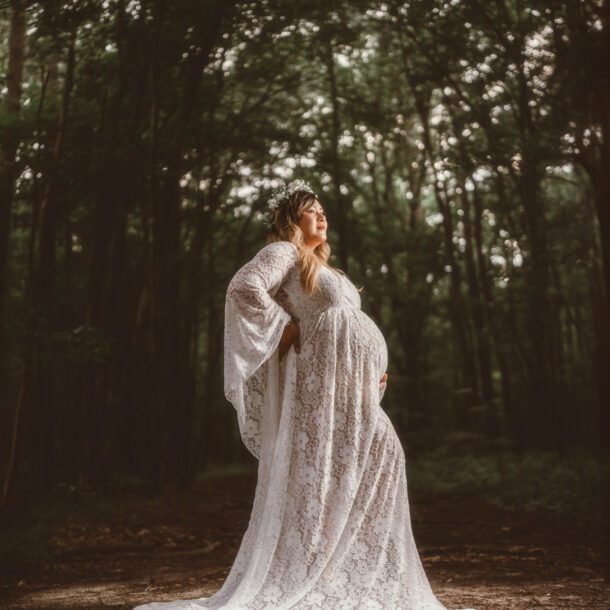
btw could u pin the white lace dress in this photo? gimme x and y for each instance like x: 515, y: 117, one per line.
x: 330, y: 526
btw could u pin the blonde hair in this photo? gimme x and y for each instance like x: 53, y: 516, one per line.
x: 285, y: 227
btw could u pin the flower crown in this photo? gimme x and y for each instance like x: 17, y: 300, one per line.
x: 286, y: 190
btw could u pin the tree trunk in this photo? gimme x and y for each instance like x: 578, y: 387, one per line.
x: 479, y: 318
x: 601, y: 188
x: 8, y: 149
x: 45, y: 259
x: 10, y: 141
x: 340, y: 200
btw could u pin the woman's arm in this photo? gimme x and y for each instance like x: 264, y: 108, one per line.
x: 290, y: 336
x: 382, y: 385
x: 255, y: 282
x: 254, y: 324
x: 254, y: 321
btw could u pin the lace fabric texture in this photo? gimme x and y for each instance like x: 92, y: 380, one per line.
x: 330, y: 526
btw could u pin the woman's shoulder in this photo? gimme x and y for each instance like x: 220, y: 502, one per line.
x: 281, y: 248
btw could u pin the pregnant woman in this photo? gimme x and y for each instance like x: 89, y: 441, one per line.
x: 305, y: 369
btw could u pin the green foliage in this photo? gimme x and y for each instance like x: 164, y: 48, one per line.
x: 535, y: 481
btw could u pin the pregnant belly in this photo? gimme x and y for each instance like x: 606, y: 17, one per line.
x: 345, y: 327
x: 367, y: 335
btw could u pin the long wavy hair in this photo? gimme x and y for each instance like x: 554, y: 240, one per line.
x: 285, y: 227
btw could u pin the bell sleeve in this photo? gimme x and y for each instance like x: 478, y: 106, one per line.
x: 254, y: 323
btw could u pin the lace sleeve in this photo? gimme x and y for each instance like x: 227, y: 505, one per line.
x: 254, y: 323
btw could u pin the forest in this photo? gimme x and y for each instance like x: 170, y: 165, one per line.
x: 460, y: 149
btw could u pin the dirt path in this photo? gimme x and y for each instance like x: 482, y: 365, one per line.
x: 182, y: 545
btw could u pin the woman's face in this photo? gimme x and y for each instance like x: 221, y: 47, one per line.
x: 313, y: 225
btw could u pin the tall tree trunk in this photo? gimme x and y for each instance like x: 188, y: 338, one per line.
x: 497, y: 415
x: 45, y: 258
x: 601, y: 188
x: 479, y: 318
x: 541, y: 318
x: 157, y: 436
x: 10, y: 141
x: 336, y: 171
x: 8, y: 149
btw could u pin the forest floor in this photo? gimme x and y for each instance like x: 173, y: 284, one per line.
x: 181, y: 544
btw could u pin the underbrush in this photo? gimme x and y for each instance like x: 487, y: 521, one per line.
x: 534, y: 481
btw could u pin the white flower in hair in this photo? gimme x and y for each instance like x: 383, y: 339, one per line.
x: 286, y: 190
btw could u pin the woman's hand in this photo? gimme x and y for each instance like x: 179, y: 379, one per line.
x: 290, y: 336
x: 382, y: 382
